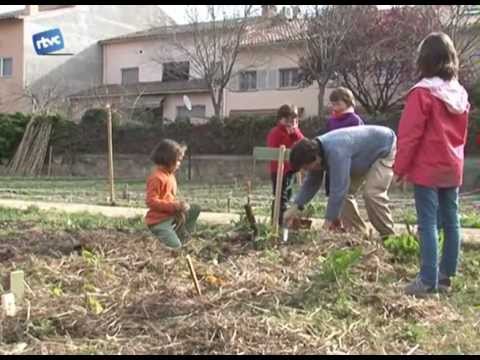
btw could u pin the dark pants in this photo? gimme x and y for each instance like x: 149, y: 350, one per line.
x: 286, y: 192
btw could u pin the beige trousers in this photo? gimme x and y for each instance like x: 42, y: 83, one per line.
x: 375, y: 193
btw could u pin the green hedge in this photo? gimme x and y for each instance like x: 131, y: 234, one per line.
x: 474, y: 95
x: 12, y: 127
x: 232, y: 136
x: 236, y: 136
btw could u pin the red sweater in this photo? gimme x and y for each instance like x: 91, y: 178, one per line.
x: 279, y: 136
x: 431, y: 141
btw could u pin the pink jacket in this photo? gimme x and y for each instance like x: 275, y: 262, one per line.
x: 432, y: 134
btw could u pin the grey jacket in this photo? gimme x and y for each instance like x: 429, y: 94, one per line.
x: 348, y: 151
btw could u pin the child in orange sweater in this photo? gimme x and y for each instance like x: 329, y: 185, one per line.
x: 170, y: 220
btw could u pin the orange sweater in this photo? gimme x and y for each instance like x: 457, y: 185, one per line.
x: 160, y: 197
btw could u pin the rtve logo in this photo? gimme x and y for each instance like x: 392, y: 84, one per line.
x: 48, y: 41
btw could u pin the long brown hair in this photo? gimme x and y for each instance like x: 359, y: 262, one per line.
x: 437, y: 57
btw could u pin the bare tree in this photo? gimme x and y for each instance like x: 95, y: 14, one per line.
x: 325, y: 28
x: 43, y: 100
x: 377, y: 60
x: 214, y: 47
x: 123, y: 100
x: 462, y: 24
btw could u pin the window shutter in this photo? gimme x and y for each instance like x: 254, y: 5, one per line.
x: 262, y: 79
x: 273, y: 79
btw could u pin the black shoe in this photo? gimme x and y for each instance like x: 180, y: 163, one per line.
x: 444, y: 285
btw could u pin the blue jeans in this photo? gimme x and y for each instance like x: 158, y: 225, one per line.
x: 437, y: 209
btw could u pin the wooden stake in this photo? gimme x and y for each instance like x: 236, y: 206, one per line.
x: 278, y: 189
x: 50, y: 158
x: 194, y: 275
x: 189, y: 154
x: 110, y: 155
x: 300, y: 178
x: 249, y: 191
x: 17, y: 285
x: 251, y: 219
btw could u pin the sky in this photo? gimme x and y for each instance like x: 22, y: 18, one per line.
x: 177, y: 12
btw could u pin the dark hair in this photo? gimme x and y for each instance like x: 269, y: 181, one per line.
x: 287, y: 112
x: 303, y: 152
x: 342, y: 94
x: 167, y: 153
x: 437, y: 57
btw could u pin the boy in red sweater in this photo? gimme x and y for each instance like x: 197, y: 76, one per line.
x: 285, y: 133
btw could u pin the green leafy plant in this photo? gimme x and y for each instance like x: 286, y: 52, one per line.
x: 470, y: 220
x: 338, y: 264
x: 406, y: 247
x: 403, y: 247
x: 94, y: 305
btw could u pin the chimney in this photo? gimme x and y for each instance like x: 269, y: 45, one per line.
x: 269, y: 10
x: 31, y: 10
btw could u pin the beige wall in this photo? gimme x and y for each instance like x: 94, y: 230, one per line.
x: 172, y: 101
x: 11, y: 45
x: 269, y: 59
x: 147, y: 55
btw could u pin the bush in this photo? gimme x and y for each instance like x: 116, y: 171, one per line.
x: 232, y: 136
x: 12, y: 127
x: 97, y: 118
x: 475, y: 95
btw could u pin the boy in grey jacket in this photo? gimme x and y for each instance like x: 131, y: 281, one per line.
x: 351, y: 156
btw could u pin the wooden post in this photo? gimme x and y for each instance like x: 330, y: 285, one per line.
x: 278, y: 189
x: 249, y: 190
x: 254, y: 168
x: 300, y: 178
x: 189, y: 164
x: 110, y: 155
x: 194, y: 275
x: 50, y: 159
x: 17, y: 285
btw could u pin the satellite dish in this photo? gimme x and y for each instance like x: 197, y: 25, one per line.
x: 187, y: 102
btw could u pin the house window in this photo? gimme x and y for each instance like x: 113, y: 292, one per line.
x: 176, y: 71
x: 289, y: 77
x: 6, y: 67
x: 197, y: 111
x: 130, y: 76
x: 248, y: 80
x: 473, y: 10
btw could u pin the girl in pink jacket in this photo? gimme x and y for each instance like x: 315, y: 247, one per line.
x: 431, y: 140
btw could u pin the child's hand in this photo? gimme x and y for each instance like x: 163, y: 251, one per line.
x: 399, y: 179
x: 180, y: 219
x: 335, y: 226
x: 291, y: 215
x: 184, y: 206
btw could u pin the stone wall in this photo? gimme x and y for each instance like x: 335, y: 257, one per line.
x: 203, y: 168
x: 211, y: 169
